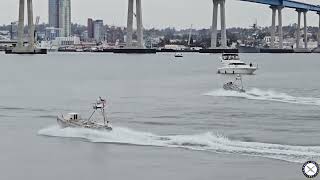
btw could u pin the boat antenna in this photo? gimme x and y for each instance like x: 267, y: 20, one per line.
x: 103, y: 102
x: 104, y: 116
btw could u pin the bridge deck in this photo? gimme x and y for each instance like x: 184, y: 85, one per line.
x: 288, y: 4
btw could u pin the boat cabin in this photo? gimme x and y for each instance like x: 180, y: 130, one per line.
x: 230, y: 56
x: 73, y: 116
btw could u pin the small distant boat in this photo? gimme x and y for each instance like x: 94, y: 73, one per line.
x: 233, y: 65
x: 79, y: 50
x: 49, y: 46
x: 235, y: 86
x: 74, y: 120
x: 178, y: 55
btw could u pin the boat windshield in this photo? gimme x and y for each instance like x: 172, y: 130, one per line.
x: 237, y: 64
x: 230, y: 57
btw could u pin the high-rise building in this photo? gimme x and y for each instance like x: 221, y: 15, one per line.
x: 14, y: 31
x: 90, y: 28
x: 98, y: 30
x: 65, y: 17
x: 60, y: 16
x: 54, y: 13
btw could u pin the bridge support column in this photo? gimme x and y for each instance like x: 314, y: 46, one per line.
x: 31, y: 25
x: 214, y: 30
x: 223, y: 24
x: 21, y: 25
x: 298, y: 29
x: 319, y: 31
x: 139, y: 24
x: 20, y: 48
x: 280, y: 27
x: 129, y: 24
x: 273, y: 26
x: 305, y: 30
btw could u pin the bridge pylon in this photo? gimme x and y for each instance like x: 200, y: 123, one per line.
x: 20, y: 46
x: 214, y: 30
x: 319, y: 31
x: 273, y: 26
x: 138, y: 15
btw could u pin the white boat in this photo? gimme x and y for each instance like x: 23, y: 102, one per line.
x: 235, y: 85
x: 49, y: 46
x: 74, y: 120
x: 79, y: 50
x: 178, y: 55
x: 233, y: 65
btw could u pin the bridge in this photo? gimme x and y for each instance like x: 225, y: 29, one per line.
x: 275, y: 5
x: 288, y: 4
x: 278, y: 5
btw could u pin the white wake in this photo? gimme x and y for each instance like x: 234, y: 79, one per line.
x: 269, y: 95
x: 201, y: 142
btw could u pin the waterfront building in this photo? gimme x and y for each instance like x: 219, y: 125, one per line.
x: 52, y: 33
x: 66, y: 41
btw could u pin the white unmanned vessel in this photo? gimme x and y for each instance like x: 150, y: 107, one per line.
x: 233, y: 65
x: 235, y: 85
x: 74, y: 120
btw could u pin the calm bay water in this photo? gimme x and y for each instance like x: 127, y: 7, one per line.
x: 171, y: 118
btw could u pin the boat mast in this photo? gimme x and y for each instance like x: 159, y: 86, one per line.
x: 103, y: 101
x: 104, y: 116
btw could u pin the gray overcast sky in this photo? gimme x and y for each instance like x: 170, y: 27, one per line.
x: 162, y: 13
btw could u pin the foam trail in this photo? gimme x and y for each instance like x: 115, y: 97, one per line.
x: 269, y: 95
x: 200, y: 142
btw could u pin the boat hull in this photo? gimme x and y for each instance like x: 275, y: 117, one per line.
x: 233, y: 88
x: 249, y: 49
x: 227, y: 70
x: 81, y: 124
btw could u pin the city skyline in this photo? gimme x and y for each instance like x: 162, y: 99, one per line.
x: 113, y: 12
